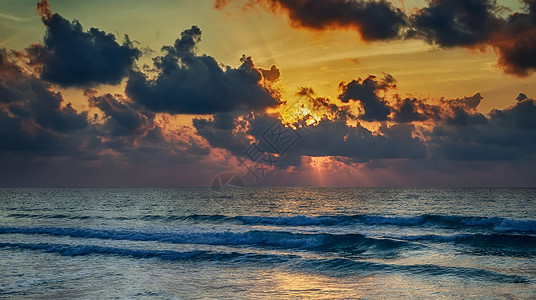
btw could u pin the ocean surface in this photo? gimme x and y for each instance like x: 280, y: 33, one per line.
x: 275, y: 243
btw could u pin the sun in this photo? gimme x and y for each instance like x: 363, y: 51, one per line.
x: 299, y: 112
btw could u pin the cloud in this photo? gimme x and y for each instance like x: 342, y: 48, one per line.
x: 188, y: 83
x: 366, y: 92
x: 459, y: 112
x: 43, y: 9
x: 30, y: 98
x: 521, y: 115
x: 504, y: 135
x: 336, y: 138
x: 516, y: 42
x: 374, y: 20
x: 121, y: 117
x: 409, y: 110
x: 475, y: 23
x: 32, y: 117
x: 70, y: 56
x: 451, y: 23
x: 221, y: 132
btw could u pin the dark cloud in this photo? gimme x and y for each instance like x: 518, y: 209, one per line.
x: 374, y: 20
x: 15, y: 137
x: 467, y: 103
x: 8, y: 69
x: 521, y: 116
x: 516, y: 42
x: 192, y: 84
x: 454, y: 112
x: 409, y: 110
x: 366, y: 91
x: 450, y: 23
x: 122, y: 117
x: 506, y: 135
x: 461, y: 117
x: 521, y: 97
x: 336, y: 138
x: 32, y: 117
x: 462, y: 111
x: 70, y: 56
x: 220, y: 132
x: 29, y: 98
x: 475, y: 23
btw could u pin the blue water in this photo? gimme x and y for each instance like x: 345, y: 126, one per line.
x: 371, y: 243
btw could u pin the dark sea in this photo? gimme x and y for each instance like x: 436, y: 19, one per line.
x: 267, y: 243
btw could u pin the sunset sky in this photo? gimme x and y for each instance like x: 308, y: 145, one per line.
x: 279, y: 92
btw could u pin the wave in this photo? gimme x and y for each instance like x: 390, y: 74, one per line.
x: 513, y: 245
x: 514, y: 240
x: 82, y: 250
x: 496, y: 224
x: 56, y: 216
x: 334, y: 266
x: 355, y: 243
x: 351, y: 243
x: 338, y: 266
x: 493, y: 223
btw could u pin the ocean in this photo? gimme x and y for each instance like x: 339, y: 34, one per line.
x: 267, y: 243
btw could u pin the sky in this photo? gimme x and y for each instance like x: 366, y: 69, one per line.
x: 273, y: 92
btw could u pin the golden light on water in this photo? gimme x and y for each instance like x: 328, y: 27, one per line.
x: 300, y: 285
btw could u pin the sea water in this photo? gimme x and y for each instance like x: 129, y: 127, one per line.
x: 252, y: 243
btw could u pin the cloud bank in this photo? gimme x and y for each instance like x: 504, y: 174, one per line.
x: 367, y: 130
